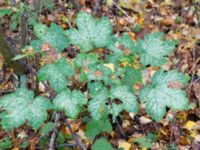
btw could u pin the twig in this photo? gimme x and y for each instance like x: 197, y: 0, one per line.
x: 192, y: 83
x: 57, y: 146
x: 78, y: 142
x: 54, y: 133
x: 65, y: 145
x: 124, y: 12
x: 98, y: 7
x: 120, y: 129
x: 196, y: 12
x: 193, y: 64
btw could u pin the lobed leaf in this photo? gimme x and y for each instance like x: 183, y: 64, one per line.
x: 56, y: 74
x: 54, y: 35
x: 21, y: 106
x: 91, y: 33
x: 70, y: 102
x: 159, y: 95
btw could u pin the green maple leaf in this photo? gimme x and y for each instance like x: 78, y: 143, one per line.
x: 6, y: 143
x: 56, y: 74
x: 94, y: 128
x: 98, y: 106
x: 115, y: 110
x: 21, y: 106
x: 129, y: 101
x: 101, y: 144
x: 153, y: 49
x: 89, y: 64
x: 159, y: 95
x: 70, y: 102
x: 131, y: 76
x: 54, y: 35
x: 91, y: 33
x: 83, y: 59
x: 127, y: 42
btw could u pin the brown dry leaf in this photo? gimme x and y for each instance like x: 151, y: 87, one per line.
x: 51, y: 54
x: 126, y: 124
x: 137, y: 86
x: 98, y: 73
x: 167, y: 21
x: 146, y: 76
x: 184, y: 140
x: 32, y: 143
x: 163, y: 11
x: 51, y: 17
x: 85, y: 67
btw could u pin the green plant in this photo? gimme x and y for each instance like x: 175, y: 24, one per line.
x: 145, y: 142
x: 109, y: 78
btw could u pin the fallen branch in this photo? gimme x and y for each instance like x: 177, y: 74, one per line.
x: 55, y: 131
x: 120, y: 129
x: 78, y: 142
x: 196, y: 12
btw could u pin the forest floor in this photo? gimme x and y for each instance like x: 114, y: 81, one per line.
x: 178, y: 19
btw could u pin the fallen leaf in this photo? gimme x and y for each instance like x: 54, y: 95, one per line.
x: 196, y: 90
x: 190, y: 125
x: 74, y: 125
x: 98, y: 73
x: 126, y: 124
x: 123, y: 144
x: 197, y: 138
x: 111, y: 66
x: 144, y: 120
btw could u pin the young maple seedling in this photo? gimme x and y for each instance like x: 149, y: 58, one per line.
x: 109, y: 79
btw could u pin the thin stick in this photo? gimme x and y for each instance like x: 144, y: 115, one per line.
x: 196, y: 12
x: 124, y: 12
x: 78, y: 142
x: 195, y: 81
x: 98, y: 7
x: 120, y: 129
x: 55, y: 131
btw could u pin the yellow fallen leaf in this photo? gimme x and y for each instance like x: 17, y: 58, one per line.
x: 125, y: 63
x: 128, y: 4
x: 123, y: 144
x: 109, y: 2
x: 15, y: 149
x: 144, y: 148
x: 111, y: 66
x: 193, y: 133
x: 169, y: 2
x: 190, y: 125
